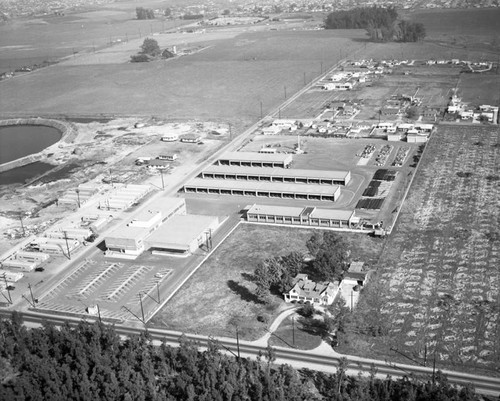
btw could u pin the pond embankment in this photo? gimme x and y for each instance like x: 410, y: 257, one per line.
x: 68, y: 134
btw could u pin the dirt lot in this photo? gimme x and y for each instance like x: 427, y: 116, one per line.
x: 439, y: 280
x: 103, y: 153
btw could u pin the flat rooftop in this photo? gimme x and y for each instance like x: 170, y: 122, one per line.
x: 265, y: 186
x: 180, y: 231
x: 278, y: 172
x: 257, y: 157
x: 318, y: 213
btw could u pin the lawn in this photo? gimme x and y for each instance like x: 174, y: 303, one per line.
x: 221, y: 291
x: 438, y: 284
x: 292, y: 333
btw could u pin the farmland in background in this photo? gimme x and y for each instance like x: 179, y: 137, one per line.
x: 226, y: 81
x: 438, y: 285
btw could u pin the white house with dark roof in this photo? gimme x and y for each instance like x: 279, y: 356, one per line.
x: 306, y: 290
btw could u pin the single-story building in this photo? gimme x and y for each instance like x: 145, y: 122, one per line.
x: 264, y: 189
x: 295, y: 176
x: 306, y: 290
x: 191, y: 138
x: 182, y: 234
x: 254, y: 159
x: 158, y: 164
x: 271, y: 130
x: 10, y: 276
x: 301, y: 216
x: 128, y: 239
x: 170, y: 137
x: 355, y: 275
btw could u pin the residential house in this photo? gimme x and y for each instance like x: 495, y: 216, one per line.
x: 306, y: 290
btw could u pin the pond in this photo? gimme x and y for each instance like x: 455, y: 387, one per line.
x: 17, y: 141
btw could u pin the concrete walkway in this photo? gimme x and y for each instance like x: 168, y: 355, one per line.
x: 323, y: 349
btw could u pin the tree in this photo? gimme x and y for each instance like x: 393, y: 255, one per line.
x: 144, y: 13
x: 139, y: 58
x: 332, y: 256
x: 150, y: 47
x: 314, y: 243
x: 167, y: 54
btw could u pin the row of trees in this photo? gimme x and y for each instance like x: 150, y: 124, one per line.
x: 91, y: 362
x: 380, y: 23
x: 144, y: 13
x: 361, y: 18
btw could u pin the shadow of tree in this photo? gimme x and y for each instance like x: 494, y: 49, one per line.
x: 314, y: 327
x: 243, y: 292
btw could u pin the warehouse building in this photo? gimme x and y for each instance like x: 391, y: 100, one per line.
x: 128, y: 240
x: 253, y: 159
x: 182, y: 234
x: 12, y: 277
x: 302, y: 216
x: 264, y: 189
x: 294, y: 176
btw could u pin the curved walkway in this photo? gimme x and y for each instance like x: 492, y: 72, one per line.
x: 323, y: 349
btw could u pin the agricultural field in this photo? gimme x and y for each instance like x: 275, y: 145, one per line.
x: 221, y: 292
x: 226, y: 81
x: 439, y: 279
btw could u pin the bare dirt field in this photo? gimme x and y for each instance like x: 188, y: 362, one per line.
x: 439, y: 278
x: 221, y: 292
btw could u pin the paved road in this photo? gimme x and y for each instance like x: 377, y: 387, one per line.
x: 321, y: 358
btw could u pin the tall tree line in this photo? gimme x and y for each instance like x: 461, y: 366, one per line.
x: 381, y: 24
x: 91, y: 362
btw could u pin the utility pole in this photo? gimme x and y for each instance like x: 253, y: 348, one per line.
x: 238, y: 342
x: 321, y: 70
x: 158, y: 291
x: 142, y: 308
x: 22, y: 225
x: 67, y: 245
x: 293, y: 331
x: 162, y: 182
x: 352, y: 302
x: 261, y: 115
x: 285, y: 92
x: 32, y: 297
x: 7, y: 287
x: 304, y: 78
x: 78, y: 197
x: 434, y: 369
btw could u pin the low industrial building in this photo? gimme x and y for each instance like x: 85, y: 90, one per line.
x: 124, y: 197
x: 128, y: 240
x: 305, y: 290
x: 302, y: 216
x: 264, y: 189
x: 182, y: 234
x: 11, y: 277
x: 54, y: 245
x: 77, y: 233
x: 294, y: 176
x: 253, y: 159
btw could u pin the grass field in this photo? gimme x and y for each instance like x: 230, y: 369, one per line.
x: 439, y: 277
x: 227, y: 81
x: 221, y: 290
